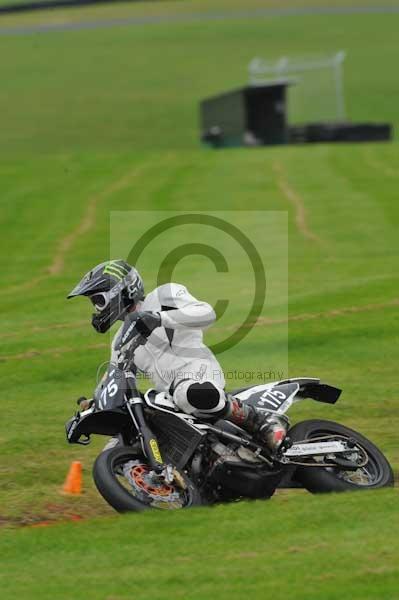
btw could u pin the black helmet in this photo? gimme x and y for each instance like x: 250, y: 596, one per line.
x: 113, y: 287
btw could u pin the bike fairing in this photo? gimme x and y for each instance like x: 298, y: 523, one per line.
x: 219, y: 462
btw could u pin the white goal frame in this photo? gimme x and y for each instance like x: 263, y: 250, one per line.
x: 263, y: 71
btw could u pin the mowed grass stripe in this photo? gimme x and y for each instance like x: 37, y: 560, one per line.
x: 261, y: 321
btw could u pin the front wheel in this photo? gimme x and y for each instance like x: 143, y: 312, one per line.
x: 127, y: 483
x: 376, y: 473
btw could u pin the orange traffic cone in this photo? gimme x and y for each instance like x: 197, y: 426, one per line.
x: 73, y: 481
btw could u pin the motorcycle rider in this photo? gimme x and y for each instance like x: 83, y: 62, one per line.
x: 174, y: 355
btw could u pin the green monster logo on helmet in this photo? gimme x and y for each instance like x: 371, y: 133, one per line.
x: 116, y: 270
x: 113, y: 295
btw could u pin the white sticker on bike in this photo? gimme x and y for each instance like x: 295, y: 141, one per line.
x: 316, y: 448
x: 272, y: 397
x: 110, y: 389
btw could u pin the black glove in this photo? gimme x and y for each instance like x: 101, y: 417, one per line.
x: 146, y: 322
x: 136, y: 329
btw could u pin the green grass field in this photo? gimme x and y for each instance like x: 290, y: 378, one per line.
x: 202, y: 553
x: 103, y: 120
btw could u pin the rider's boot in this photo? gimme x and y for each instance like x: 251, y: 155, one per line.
x: 269, y: 428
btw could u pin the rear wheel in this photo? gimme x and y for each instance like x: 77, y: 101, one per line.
x: 376, y: 473
x: 126, y: 481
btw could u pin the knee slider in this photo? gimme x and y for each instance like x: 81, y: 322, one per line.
x: 199, y: 397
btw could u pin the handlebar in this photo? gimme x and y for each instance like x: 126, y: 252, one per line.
x: 126, y: 357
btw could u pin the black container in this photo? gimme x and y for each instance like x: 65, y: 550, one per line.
x: 250, y: 116
x: 339, y: 132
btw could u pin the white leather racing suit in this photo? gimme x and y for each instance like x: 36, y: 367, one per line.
x: 175, y: 357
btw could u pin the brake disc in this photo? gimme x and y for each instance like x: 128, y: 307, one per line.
x: 356, y: 477
x: 147, y: 485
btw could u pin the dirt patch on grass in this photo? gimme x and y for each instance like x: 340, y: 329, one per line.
x: 261, y: 321
x: 43, y: 329
x: 335, y: 312
x: 87, y: 223
x: 54, y: 352
x: 328, y: 314
x: 296, y: 201
x: 54, y: 514
x: 88, y: 220
x: 39, y: 520
x: 372, y: 161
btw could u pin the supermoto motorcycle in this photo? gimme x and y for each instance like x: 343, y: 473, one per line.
x: 165, y: 459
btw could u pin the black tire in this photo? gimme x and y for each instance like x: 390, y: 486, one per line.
x: 323, y: 480
x: 117, y: 495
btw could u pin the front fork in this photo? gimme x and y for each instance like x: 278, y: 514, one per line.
x: 148, y: 440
